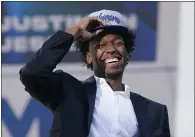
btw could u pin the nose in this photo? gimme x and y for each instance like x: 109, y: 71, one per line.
x: 110, y: 48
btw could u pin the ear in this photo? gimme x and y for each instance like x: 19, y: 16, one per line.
x: 89, y: 58
x: 128, y: 57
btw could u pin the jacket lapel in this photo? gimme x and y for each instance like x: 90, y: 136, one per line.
x: 90, y: 85
x: 140, y: 107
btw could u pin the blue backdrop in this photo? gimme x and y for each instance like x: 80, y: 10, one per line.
x: 21, y: 30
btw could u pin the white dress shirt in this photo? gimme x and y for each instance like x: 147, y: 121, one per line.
x: 114, y: 114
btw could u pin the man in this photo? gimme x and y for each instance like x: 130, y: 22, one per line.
x: 101, y: 106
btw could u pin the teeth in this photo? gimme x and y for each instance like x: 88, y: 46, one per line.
x: 111, y: 60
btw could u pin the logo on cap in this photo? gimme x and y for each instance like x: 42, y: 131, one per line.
x: 108, y: 18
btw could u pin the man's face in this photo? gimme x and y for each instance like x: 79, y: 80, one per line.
x: 109, y: 56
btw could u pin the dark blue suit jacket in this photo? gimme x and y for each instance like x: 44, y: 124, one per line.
x: 72, y: 101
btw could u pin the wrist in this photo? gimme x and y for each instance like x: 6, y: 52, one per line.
x: 72, y: 30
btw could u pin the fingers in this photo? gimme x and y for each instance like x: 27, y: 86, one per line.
x: 101, y: 22
x: 91, y: 20
x: 87, y: 35
x: 87, y: 24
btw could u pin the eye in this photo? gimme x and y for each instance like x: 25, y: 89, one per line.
x: 102, y: 45
x: 99, y: 46
x: 119, y: 43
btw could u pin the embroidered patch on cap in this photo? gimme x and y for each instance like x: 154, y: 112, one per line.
x: 112, y: 19
x: 108, y: 18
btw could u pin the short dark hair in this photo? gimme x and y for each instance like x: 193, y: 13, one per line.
x: 83, y: 47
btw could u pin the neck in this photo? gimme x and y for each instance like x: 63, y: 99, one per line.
x: 115, y: 84
x: 115, y: 81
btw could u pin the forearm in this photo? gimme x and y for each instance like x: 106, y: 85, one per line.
x: 51, y: 53
x: 37, y: 75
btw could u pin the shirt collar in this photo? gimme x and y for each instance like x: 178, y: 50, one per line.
x: 102, y: 81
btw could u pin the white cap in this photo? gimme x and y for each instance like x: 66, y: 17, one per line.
x: 113, y: 20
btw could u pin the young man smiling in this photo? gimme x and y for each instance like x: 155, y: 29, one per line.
x: 101, y: 106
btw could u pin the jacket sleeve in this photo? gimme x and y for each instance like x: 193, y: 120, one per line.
x: 165, y: 127
x: 38, y: 77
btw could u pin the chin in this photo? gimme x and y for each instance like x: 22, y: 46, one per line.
x: 114, y: 74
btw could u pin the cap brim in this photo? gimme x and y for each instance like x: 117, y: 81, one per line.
x: 113, y: 28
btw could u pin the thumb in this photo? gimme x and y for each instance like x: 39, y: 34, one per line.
x: 96, y: 33
x: 87, y: 35
x: 99, y: 31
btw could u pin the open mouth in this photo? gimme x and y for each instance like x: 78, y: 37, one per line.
x: 112, y: 60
